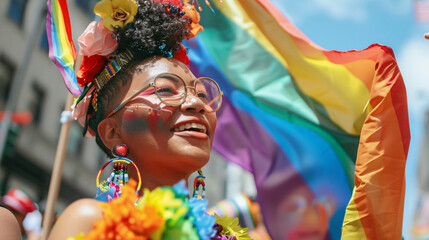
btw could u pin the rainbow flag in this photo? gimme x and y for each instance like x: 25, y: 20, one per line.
x: 325, y: 133
x: 62, y: 50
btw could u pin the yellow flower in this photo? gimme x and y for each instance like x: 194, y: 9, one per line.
x: 116, y: 12
x: 167, y: 206
x: 231, y: 226
x: 165, y: 202
x: 78, y: 237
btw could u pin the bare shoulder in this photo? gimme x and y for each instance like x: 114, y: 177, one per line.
x: 77, y: 218
x: 9, y: 228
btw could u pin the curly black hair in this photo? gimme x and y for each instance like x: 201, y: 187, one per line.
x: 157, y: 30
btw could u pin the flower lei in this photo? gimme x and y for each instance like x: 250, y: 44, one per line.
x: 164, y: 213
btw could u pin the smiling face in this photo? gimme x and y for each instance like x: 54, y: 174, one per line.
x: 167, y: 143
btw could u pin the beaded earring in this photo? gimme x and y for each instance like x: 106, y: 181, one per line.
x: 112, y: 186
x: 198, y: 182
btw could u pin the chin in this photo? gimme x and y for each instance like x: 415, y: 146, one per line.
x: 192, y: 148
x: 197, y: 158
x: 191, y: 157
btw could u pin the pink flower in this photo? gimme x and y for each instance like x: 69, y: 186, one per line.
x: 97, y: 40
x: 80, y: 111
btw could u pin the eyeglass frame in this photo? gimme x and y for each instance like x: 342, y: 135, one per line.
x: 152, y: 84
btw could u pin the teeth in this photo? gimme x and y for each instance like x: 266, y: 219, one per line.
x: 188, y: 126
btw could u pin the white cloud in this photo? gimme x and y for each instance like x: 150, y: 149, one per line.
x: 397, y: 7
x: 413, y: 60
x: 343, y: 9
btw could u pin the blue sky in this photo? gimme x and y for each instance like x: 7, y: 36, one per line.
x: 356, y: 24
x: 352, y: 24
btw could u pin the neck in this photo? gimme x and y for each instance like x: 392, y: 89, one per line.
x: 153, y: 179
x: 152, y: 182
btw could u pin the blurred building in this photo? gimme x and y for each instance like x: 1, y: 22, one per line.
x: 30, y: 151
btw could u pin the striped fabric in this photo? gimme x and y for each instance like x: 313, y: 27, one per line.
x: 322, y: 131
x: 62, y: 50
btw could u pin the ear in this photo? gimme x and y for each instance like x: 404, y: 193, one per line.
x: 109, y: 133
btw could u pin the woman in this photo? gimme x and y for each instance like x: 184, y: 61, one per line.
x: 153, y: 105
x: 9, y: 227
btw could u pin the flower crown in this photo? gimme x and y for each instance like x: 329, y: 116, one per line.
x: 101, y: 59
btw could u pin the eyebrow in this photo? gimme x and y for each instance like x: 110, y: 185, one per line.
x: 171, y: 77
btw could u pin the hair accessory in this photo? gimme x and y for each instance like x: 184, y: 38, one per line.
x: 97, y: 40
x: 199, y: 7
x: 198, y: 182
x: 112, y: 68
x: 112, y: 186
x: 95, y: 99
x: 192, y: 13
x: 116, y: 13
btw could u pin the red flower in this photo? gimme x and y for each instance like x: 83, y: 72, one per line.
x: 174, y: 2
x: 182, y: 56
x: 90, y: 67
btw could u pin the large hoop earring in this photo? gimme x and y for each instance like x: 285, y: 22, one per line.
x: 112, y: 186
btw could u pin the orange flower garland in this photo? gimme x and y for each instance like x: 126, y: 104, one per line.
x: 122, y: 220
x: 163, y: 213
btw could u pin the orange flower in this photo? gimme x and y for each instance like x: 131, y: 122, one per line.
x: 192, y: 13
x: 122, y: 220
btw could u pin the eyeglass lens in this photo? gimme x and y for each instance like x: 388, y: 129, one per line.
x: 172, y: 91
x: 208, y: 91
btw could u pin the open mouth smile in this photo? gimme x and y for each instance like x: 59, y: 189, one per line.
x: 196, y: 127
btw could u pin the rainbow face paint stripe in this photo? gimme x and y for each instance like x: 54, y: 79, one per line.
x: 296, y: 115
x: 62, y: 50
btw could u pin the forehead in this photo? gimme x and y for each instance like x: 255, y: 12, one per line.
x: 150, y: 68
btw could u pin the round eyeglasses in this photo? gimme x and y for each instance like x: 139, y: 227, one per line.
x: 172, y: 91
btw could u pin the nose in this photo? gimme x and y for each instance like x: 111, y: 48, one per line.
x: 193, y: 103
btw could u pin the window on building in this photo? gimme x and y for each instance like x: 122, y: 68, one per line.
x: 44, y: 44
x: 7, y: 71
x: 87, y: 6
x: 16, y: 10
x: 36, y: 101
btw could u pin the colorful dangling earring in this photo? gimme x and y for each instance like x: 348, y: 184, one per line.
x: 199, y: 181
x: 112, y: 186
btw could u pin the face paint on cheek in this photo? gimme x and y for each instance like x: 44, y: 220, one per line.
x: 134, y: 122
x: 158, y: 118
